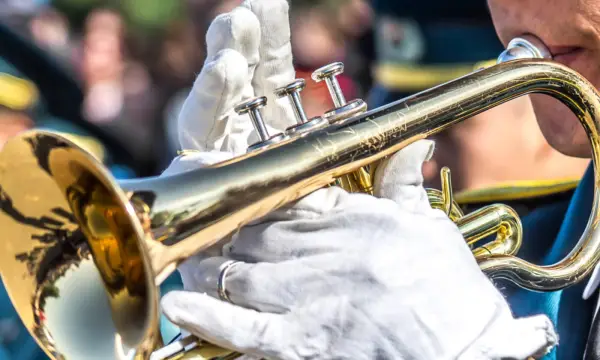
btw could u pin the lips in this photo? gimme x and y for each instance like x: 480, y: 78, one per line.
x: 566, y: 55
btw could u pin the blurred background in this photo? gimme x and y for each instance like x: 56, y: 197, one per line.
x: 135, y: 60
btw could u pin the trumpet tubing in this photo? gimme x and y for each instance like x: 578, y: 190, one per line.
x: 126, y: 237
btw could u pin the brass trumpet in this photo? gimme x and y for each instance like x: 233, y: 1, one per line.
x: 111, y: 243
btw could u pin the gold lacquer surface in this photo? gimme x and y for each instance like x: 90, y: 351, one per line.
x: 194, y: 210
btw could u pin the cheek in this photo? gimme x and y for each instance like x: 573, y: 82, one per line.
x: 587, y: 66
x: 560, y: 126
x: 499, y: 16
x: 508, y: 16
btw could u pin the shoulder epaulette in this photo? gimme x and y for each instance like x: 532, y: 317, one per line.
x: 17, y: 93
x: 518, y: 190
x: 404, y: 77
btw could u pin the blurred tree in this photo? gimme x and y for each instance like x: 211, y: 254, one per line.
x: 152, y: 13
x: 141, y: 15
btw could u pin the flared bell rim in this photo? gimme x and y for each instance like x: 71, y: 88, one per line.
x: 51, y: 163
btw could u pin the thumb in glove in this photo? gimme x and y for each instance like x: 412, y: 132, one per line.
x: 207, y: 121
x: 400, y: 177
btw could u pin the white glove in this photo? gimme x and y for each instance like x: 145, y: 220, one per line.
x: 233, y: 73
x: 357, y: 278
x: 337, y: 275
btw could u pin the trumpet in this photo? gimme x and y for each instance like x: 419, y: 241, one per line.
x: 84, y: 280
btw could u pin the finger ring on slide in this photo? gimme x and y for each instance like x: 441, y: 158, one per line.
x: 222, y: 277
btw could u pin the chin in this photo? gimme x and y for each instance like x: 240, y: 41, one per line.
x: 560, y: 127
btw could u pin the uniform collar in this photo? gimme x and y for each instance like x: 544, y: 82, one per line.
x: 582, y: 196
x: 516, y: 190
x: 592, y: 284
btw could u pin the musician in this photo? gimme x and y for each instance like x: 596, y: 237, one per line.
x: 335, y: 275
x: 423, y: 44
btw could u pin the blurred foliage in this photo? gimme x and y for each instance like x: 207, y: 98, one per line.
x: 152, y: 13
x: 141, y: 15
x: 327, y: 5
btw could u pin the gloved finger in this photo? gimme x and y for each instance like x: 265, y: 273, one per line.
x: 238, y: 30
x: 195, y: 160
x: 311, y: 206
x: 269, y: 287
x: 229, y: 326
x: 275, y: 67
x: 400, y: 178
x: 302, y: 232
x: 195, y: 274
x: 515, y: 339
x: 201, y: 273
x: 252, y: 286
x: 207, y: 121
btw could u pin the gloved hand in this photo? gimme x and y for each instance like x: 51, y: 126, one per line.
x: 234, y: 73
x: 357, y: 278
x: 335, y: 275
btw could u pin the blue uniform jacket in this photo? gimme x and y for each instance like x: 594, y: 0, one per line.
x: 550, y: 233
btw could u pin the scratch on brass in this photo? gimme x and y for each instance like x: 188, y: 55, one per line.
x: 330, y: 151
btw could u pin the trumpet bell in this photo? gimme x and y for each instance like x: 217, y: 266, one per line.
x: 70, y: 257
